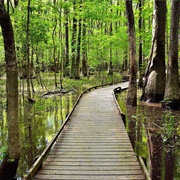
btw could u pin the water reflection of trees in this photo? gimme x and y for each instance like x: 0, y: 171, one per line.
x: 39, y: 122
x: 144, y: 129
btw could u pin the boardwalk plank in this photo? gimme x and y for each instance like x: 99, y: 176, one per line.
x: 90, y: 177
x: 93, y: 156
x: 92, y: 168
x: 89, y: 159
x: 107, y: 153
x: 72, y: 172
x: 90, y: 162
x: 91, y: 150
x: 124, y: 144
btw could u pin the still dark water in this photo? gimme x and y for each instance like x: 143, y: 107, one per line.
x: 39, y: 122
x: 154, y: 134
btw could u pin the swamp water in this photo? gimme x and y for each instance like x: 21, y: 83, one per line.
x: 39, y: 122
x: 154, y: 134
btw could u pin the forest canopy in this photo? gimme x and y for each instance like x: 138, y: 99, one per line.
x: 104, y: 24
x: 83, y: 37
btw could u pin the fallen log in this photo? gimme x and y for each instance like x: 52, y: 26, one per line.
x: 61, y: 92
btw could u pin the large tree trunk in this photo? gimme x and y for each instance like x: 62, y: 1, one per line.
x: 172, y: 83
x: 153, y: 90
x: 10, y: 163
x: 132, y: 93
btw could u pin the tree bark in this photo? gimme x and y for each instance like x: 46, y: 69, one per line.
x: 10, y: 163
x: 132, y: 92
x: 28, y: 50
x: 54, y: 53
x: 153, y: 90
x: 172, y: 83
x: 140, y: 83
x: 78, y: 57
x: 84, y: 50
x: 110, y: 68
x: 155, y: 152
x: 73, y: 43
x: 66, y: 62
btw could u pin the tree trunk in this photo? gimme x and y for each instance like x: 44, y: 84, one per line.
x: 28, y: 50
x: 140, y: 83
x: 73, y: 43
x: 60, y: 49
x: 79, y: 46
x: 84, y: 50
x: 66, y: 61
x: 155, y: 152
x: 172, y: 83
x: 125, y: 61
x: 153, y: 90
x: 32, y: 69
x: 10, y: 163
x: 38, y: 73
x: 132, y: 92
x: 54, y: 53
x: 110, y: 70
x: 170, y: 164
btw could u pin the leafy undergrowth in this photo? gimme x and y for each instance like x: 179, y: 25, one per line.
x: 68, y: 83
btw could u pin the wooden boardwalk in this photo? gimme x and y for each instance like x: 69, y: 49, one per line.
x: 93, y: 144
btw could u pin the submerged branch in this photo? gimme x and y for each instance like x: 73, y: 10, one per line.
x: 61, y: 92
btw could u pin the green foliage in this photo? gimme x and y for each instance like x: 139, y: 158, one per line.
x: 3, y: 152
x: 96, y: 14
x: 11, y: 160
x: 142, y: 149
x: 168, y: 128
